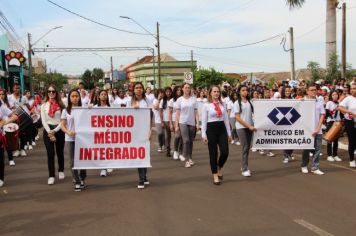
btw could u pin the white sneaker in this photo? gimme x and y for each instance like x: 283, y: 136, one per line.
x: 1, y: 183
x: 25, y: 147
x: 191, y: 162
x: 317, y: 172
x: 50, y: 181
x: 103, y: 173
x: 353, y: 164
x: 37, y: 137
x: 270, y: 154
x: 159, y: 149
x: 336, y: 158
x: 33, y: 143
x: 187, y: 164
x: 30, y: 147
x: 61, y: 175
x: 304, y: 170
x: 16, y: 153
x: 11, y: 163
x: 232, y: 142
x: 285, y: 160
x: 262, y: 152
x: 254, y: 150
x: 330, y: 158
x: 320, y: 154
x: 246, y: 173
x: 110, y: 170
x: 23, y: 153
x: 311, y: 154
x: 175, y: 155
x: 238, y: 143
x: 291, y: 157
x: 181, y: 158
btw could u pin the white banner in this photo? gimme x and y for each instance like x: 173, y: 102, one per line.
x: 111, y: 138
x: 284, y: 124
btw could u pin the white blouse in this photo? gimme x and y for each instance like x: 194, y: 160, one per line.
x: 209, y: 115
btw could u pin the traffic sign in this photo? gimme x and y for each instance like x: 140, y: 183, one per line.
x: 188, y: 77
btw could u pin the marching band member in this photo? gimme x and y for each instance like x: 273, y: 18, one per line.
x: 163, y: 110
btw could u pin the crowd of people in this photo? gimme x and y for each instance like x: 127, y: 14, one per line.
x: 222, y: 114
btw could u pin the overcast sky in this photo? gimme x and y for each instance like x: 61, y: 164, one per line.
x: 202, y: 23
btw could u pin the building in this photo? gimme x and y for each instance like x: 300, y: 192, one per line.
x: 38, y: 66
x: 145, y: 70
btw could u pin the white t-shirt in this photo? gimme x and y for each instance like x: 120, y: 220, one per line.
x: 142, y: 104
x: 350, y: 104
x: 173, y: 105
x: 156, y: 111
x: 245, y: 113
x: 165, y: 111
x: 319, y: 110
x: 332, y: 107
x: 187, y: 109
x: 120, y: 102
x: 65, y: 101
x: 201, y: 102
x: 85, y: 101
x: 150, y: 98
x: 5, y: 112
x: 230, y: 106
x: 21, y: 101
x: 70, y: 124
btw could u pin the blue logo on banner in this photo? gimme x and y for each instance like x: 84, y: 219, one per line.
x: 284, y: 115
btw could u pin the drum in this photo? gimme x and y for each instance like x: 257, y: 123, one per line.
x: 24, y: 119
x: 35, y: 117
x: 11, y: 136
x: 334, y: 132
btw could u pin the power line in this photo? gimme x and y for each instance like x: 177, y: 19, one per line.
x: 94, y: 21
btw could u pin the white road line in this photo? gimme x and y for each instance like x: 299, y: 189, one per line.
x: 312, y: 227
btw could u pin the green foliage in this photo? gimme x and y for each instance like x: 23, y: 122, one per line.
x: 314, y: 67
x: 350, y: 72
x: 206, y: 77
x: 91, y: 78
x: 55, y: 78
x: 271, y: 83
x: 295, y: 3
x: 333, y: 73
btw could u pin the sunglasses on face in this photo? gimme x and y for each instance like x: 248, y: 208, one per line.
x: 51, y: 91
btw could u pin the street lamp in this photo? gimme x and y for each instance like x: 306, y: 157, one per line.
x: 157, y: 45
x: 30, y: 45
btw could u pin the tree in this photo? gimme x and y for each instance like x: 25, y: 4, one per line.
x: 333, y: 72
x: 330, y: 24
x: 97, y: 74
x: 207, y: 77
x: 55, y: 78
x: 87, y: 79
x: 314, y: 68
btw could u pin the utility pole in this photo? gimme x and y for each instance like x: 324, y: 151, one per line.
x: 158, y: 57
x: 343, y: 56
x: 30, y: 62
x: 191, y: 60
x: 112, y: 69
x: 291, y: 42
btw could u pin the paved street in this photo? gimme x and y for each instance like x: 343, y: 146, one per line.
x: 276, y: 200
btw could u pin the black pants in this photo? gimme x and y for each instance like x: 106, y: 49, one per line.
x: 217, y: 137
x: 142, y: 174
x: 351, y: 134
x: 26, y: 136
x: 332, y: 147
x: 52, y: 148
x: 2, y: 164
x: 77, y: 175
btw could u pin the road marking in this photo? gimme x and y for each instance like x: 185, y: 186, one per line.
x: 342, y: 167
x: 312, y: 227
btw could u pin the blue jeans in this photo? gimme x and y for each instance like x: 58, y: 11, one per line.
x: 317, y: 148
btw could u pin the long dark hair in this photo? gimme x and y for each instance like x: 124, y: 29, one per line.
x: 331, y: 96
x: 232, y: 96
x: 6, y: 101
x: 283, y: 95
x: 70, y: 104
x: 247, y: 97
x: 165, y: 97
x: 57, y: 98
x: 107, y: 98
x: 175, y: 93
x: 134, y: 99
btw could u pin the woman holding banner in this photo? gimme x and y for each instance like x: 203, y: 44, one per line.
x: 216, y: 132
x: 139, y: 101
x: 187, y: 122
x: 67, y: 126
x: 53, y: 136
x: 348, y: 107
x: 244, y: 125
x: 287, y: 94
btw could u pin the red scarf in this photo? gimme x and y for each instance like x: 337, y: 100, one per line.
x: 217, y: 109
x: 53, y: 107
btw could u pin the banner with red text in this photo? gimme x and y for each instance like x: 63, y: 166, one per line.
x: 111, y: 138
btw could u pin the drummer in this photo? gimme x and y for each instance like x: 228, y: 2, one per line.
x: 6, y: 117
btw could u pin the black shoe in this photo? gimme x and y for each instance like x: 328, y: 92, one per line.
x: 141, y: 185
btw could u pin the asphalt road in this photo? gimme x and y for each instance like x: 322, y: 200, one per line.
x: 276, y: 200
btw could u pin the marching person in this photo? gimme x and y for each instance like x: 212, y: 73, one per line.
x: 157, y: 119
x: 187, y: 122
x: 178, y: 143
x: 244, y: 125
x: 120, y: 100
x: 332, y: 115
x: 6, y: 117
x: 231, y: 113
x: 287, y: 153
x: 348, y: 107
x: 53, y: 136
x: 67, y: 126
x: 139, y: 101
x: 216, y: 132
x: 317, y: 134
x: 163, y: 111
